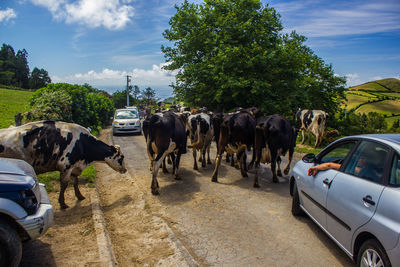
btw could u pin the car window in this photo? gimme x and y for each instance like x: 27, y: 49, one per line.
x: 338, y: 153
x: 126, y: 114
x: 368, y: 161
x: 395, y: 172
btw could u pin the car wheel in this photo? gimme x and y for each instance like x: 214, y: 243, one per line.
x: 296, y: 209
x: 10, y: 246
x: 372, y: 254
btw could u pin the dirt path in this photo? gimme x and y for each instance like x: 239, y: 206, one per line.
x: 228, y: 224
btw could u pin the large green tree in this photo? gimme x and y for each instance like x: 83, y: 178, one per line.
x: 231, y: 53
x: 39, y: 78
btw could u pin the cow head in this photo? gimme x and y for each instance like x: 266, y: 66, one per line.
x: 116, y: 160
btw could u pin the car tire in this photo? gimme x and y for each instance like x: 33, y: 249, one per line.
x: 10, y: 246
x: 371, y: 248
x: 296, y: 209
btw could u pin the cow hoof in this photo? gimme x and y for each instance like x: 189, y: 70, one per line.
x: 245, y: 175
x: 275, y: 180
x: 209, y: 162
x: 256, y: 185
x: 286, y: 172
x: 165, y: 171
x: 64, y: 206
x: 214, y: 180
x: 195, y: 168
x: 155, y: 192
x: 203, y: 165
x: 279, y: 173
x: 178, y: 178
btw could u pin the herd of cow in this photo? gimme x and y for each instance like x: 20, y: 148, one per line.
x: 70, y: 148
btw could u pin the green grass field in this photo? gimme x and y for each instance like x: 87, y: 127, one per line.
x: 12, y: 102
x: 384, y: 107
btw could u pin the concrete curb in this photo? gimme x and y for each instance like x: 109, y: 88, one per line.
x: 106, y: 252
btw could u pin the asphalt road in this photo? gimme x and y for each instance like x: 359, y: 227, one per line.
x: 230, y: 223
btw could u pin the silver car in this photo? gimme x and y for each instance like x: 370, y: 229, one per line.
x: 358, y: 206
x: 126, y: 121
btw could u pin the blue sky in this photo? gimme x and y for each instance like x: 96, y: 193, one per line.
x: 101, y: 41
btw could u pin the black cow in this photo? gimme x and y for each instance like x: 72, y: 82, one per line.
x: 236, y: 134
x: 58, y: 146
x: 275, y: 136
x: 166, y: 135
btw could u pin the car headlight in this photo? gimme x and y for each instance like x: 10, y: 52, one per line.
x: 28, y: 201
x: 115, y: 122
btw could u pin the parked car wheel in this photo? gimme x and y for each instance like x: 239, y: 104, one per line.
x: 10, y: 246
x: 296, y: 209
x: 372, y: 254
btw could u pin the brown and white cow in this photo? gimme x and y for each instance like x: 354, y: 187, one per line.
x: 313, y: 121
x: 275, y: 136
x: 58, y: 146
x: 166, y: 135
x: 201, y: 134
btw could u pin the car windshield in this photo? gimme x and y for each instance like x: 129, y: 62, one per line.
x: 126, y: 114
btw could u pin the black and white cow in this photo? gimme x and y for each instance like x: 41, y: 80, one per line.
x: 201, y: 134
x: 166, y: 135
x: 58, y: 146
x: 235, y: 136
x: 313, y: 121
x: 275, y: 136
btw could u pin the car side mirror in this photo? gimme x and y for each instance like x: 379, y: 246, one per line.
x: 309, y: 158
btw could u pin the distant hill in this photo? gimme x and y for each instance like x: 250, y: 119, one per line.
x: 382, y: 96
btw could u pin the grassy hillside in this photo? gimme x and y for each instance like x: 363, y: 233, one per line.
x: 382, y: 96
x: 12, y: 102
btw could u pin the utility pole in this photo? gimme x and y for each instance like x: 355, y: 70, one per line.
x: 128, y: 79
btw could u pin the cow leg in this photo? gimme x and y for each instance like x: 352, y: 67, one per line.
x: 154, y: 182
x: 273, y: 166
x: 251, y: 164
x: 208, y: 154
x: 76, y: 187
x: 64, y: 178
x: 257, y: 166
x: 164, y: 166
x: 287, y: 169
x: 278, y: 162
x: 242, y: 163
x: 227, y: 157
x: 195, y: 159
x: 169, y: 159
x: 317, y: 137
x: 176, y: 165
x: 203, y: 158
x: 302, y: 136
x: 215, y: 173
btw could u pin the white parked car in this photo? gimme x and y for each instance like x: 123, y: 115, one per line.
x: 25, y: 209
x: 126, y: 121
x: 358, y: 205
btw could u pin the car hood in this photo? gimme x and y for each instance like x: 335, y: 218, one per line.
x: 16, y: 171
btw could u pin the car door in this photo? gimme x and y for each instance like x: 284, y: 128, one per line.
x: 314, y: 189
x: 354, y: 193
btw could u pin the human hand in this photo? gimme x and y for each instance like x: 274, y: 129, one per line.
x: 312, y: 171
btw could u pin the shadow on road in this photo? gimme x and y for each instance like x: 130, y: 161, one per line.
x: 37, y: 253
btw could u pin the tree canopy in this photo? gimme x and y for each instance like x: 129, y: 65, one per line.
x: 232, y: 53
x: 14, y: 70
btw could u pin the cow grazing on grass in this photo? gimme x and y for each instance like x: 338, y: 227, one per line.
x: 201, y: 133
x: 58, y: 146
x: 275, y: 136
x: 166, y: 135
x: 236, y: 135
x: 313, y: 121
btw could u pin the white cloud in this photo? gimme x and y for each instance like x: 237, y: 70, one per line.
x: 353, y: 79
x: 152, y: 77
x: 7, y: 14
x: 340, y: 20
x: 111, y: 14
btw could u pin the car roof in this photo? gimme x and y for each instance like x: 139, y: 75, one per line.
x: 125, y: 109
x: 392, y: 140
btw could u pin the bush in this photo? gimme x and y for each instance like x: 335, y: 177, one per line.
x: 73, y: 103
